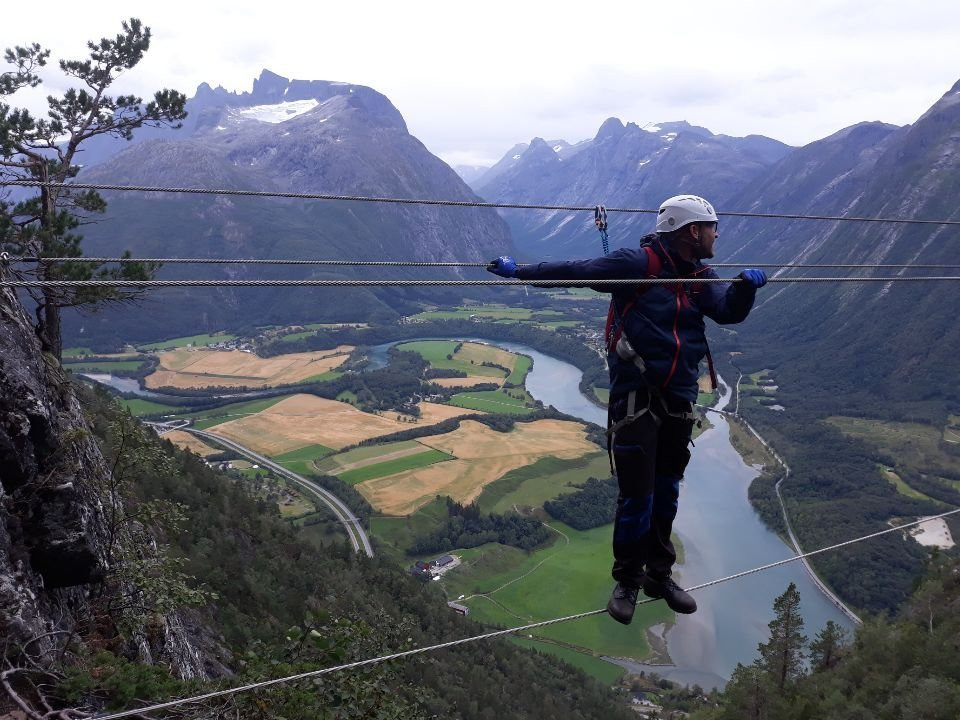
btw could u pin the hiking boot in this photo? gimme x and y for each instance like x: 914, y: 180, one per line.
x: 623, y: 601
x: 677, y: 599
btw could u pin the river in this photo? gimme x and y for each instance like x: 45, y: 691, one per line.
x: 721, y: 535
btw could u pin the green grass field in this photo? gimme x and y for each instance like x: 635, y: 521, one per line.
x: 392, y: 467
x: 140, y: 407
x: 520, y: 369
x: 554, y: 324
x: 603, y: 394
x: 302, y: 461
x: 463, y: 312
x: 562, y: 579
x: 335, y: 463
x: 322, y: 377
x: 435, y: 352
x: 902, y: 487
x: 533, y: 485
x: 208, y: 418
x: 605, y: 672
x: 193, y: 340
x: 492, y: 401
x: 77, y: 352
x: 103, y: 367
x: 398, y: 533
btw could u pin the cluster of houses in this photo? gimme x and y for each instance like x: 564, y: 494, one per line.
x: 238, y: 344
x: 434, y: 569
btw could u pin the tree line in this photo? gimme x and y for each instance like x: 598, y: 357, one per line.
x: 468, y: 527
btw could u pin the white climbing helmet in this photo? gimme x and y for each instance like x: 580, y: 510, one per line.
x: 682, y: 210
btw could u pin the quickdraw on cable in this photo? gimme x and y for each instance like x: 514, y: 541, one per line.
x: 600, y: 220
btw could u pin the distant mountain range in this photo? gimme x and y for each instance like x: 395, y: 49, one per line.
x: 286, y: 136
x: 623, y: 166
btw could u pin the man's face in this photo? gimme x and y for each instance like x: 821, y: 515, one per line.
x: 706, y: 235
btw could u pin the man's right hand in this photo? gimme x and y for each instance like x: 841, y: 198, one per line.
x: 504, y: 266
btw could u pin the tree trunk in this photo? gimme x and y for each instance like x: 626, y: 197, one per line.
x: 50, y: 332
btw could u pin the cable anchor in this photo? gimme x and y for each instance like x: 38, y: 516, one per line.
x: 600, y: 220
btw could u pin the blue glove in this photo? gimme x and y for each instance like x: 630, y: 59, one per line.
x: 754, y: 278
x: 504, y: 266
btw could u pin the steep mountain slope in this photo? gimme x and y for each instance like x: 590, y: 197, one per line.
x: 288, y: 136
x: 896, y: 341
x: 881, y: 352
x: 624, y: 165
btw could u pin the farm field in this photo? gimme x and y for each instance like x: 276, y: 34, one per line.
x: 464, y: 382
x: 368, y: 455
x: 435, y: 352
x: 300, y: 420
x: 546, y: 479
x: 235, y: 368
x: 570, y: 576
x: 464, y: 312
x: 521, y: 367
x: 303, y: 461
x: 482, y: 456
x: 492, y: 401
x: 103, y: 366
x: 209, y: 418
x: 190, y: 442
x: 394, y: 466
x: 139, y: 407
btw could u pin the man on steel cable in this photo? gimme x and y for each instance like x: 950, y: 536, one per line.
x: 655, y: 342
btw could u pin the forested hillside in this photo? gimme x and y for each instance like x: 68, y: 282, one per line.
x: 278, y: 604
x: 908, y: 667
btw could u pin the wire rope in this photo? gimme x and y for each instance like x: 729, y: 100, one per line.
x: 422, y: 263
x: 65, y: 284
x: 437, y: 202
x: 498, y: 633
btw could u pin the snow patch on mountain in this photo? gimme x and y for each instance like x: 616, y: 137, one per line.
x: 276, y: 113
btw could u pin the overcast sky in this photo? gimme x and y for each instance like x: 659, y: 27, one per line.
x: 473, y: 79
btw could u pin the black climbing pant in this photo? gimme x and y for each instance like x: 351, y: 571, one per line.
x: 649, y: 455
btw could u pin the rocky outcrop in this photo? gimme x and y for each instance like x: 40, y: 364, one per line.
x: 53, y: 535
x: 51, y: 526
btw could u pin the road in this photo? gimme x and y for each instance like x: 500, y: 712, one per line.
x: 356, y: 533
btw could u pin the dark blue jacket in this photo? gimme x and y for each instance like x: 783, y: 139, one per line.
x: 665, y: 324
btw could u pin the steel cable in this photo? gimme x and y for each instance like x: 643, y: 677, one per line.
x: 447, y: 203
x: 421, y: 263
x: 497, y: 633
x: 39, y: 284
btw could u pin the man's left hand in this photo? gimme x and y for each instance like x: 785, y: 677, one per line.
x: 754, y: 277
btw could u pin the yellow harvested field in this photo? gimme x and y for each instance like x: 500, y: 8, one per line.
x: 468, y: 381
x: 303, y: 420
x: 483, y: 455
x: 432, y: 413
x: 481, y: 353
x: 235, y: 368
x: 190, y: 442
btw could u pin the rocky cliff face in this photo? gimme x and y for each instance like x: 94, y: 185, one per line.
x: 52, y: 530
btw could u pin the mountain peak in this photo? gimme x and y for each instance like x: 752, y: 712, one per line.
x: 611, y: 128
